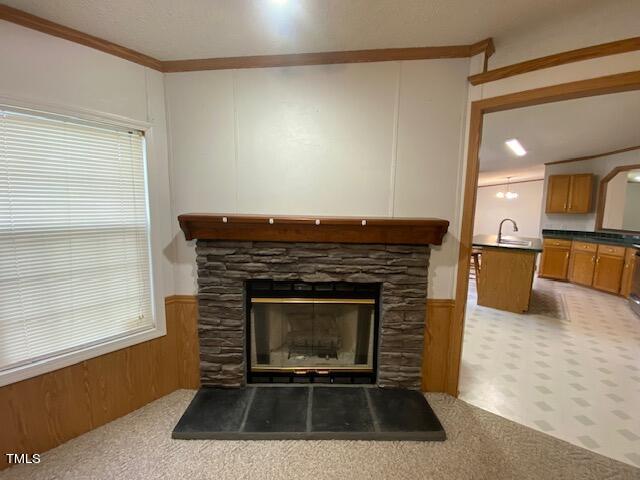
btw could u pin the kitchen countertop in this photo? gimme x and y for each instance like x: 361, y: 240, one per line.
x: 605, y: 238
x: 492, y: 241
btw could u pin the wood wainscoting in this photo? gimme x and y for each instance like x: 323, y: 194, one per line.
x: 436, y: 345
x: 42, y: 412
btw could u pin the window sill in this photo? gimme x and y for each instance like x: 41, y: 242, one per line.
x: 25, y: 372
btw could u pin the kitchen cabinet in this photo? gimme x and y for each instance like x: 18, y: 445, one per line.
x: 569, y: 193
x: 627, y: 272
x: 609, y: 268
x: 607, y: 275
x: 505, y: 280
x: 582, y: 266
x: 555, y: 259
x: 558, y: 193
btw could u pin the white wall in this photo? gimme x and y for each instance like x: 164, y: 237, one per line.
x: 413, y: 111
x: 592, y: 24
x: 632, y: 208
x: 378, y: 139
x: 616, y: 195
x: 55, y: 75
x: 525, y: 209
x: 600, y: 167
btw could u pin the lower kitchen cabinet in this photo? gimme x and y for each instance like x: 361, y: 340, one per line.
x: 555, y: 259
x: 608, y: 268
x: 627, y: 272
x: 608, y: 272
x: 582, y: 267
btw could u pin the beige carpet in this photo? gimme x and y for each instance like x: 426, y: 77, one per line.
x: 480, y: 446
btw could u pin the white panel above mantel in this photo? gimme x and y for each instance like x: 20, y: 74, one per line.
x: 316, y: 140
x: 372, y: 140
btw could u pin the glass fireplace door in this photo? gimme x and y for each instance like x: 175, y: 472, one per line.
x: 312, y: 334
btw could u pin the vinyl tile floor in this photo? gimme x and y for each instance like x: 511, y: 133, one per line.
x: 570, y: 367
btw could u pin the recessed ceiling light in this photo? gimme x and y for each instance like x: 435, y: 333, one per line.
x: 515, y: 147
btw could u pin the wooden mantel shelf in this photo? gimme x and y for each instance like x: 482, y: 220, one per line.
x: 391, y: 231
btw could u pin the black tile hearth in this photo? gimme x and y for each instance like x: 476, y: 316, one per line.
x: 216, y: 409
x: 278, y: 410
x: 335, y: 409
x: 309, y: 413
x: 402, y: 410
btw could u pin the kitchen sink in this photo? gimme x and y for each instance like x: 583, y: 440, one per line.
x: 511, y: 241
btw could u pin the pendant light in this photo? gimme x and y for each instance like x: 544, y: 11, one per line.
x: 509, y: 195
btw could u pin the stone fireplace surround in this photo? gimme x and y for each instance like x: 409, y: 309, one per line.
x: 225, y: 265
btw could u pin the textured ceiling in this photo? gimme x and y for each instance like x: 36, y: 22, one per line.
x: 181, y: 29
x: 557, y: 131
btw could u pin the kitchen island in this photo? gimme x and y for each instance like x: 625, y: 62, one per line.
x: 506, y: 270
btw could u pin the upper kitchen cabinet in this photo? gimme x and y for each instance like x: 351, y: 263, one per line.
x: 569, y: 193
x: 558, y: 193
x: 580, y: 193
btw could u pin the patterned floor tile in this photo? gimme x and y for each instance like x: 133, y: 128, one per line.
x: 588, y: 442
x: 581, y: 401
x: 569, y: 367
x: 629, y: 435
x: 584, y: 420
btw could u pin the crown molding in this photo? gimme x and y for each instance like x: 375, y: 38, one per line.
x: 589, y: 157
x: 485, y: 46
x: 329, y: 58
x: 595, y: 51
x: 511, y: 183
x: 45, y: 26
x: 258, y: 61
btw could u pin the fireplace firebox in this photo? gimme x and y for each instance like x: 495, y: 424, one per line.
x: 304, y: 332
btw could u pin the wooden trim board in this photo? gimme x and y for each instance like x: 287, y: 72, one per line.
x: 436, y: 344
x: 40, y: 24
x: 512, y: 183
x: 34, y: 22
x: 580, y: 54
x: 326, y: 58
x: 393, y: 231
x: 485, y: 46
x: 42, y: 412
x: 584, y: 88
x: 589, y: 157
x: 45, y: 26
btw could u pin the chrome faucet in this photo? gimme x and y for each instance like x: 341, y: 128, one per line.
x: 515, y: 228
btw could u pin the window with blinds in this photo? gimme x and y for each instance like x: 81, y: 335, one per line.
x: 74, y: 236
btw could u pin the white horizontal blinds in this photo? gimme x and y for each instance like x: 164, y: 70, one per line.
x: 74, y: 237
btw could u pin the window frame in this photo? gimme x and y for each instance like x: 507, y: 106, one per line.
x: 158, y: 327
